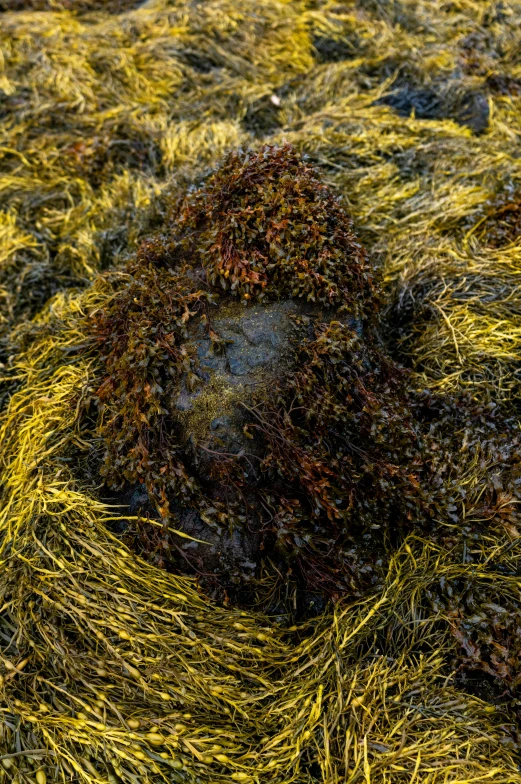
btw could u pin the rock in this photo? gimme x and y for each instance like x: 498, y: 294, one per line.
x: 225, y: 354
x: 217, y: 552
x: 473, y: 111
x: 252, y: 344
x: 425, y: 103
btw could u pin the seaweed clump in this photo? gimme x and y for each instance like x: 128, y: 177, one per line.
x: 263, y: 228
x: 502, y: 225
x: 331, y: 444
x: 264, y: 225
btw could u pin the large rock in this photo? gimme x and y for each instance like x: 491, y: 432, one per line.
x: 249, y: 347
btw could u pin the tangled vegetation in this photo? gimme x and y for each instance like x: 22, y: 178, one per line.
x: 344, y: 448
x: 77, y: 6
x: 502, y: 224
x: 113, y: 669
x: 262, y: 228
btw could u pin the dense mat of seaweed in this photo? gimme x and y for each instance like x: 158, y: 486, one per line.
x: 334, y: 445
x: 115, y: 670
x: 76, y: 6
x: 262, y: 229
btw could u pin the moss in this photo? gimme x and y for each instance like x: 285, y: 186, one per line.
x: 217, y: 398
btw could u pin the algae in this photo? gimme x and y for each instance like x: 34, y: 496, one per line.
x: 115, y: 670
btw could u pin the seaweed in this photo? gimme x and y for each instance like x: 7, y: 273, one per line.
x: 77, y: 6
x: 115, y: 669
x: 334, y: 50
x: 261, y: 228
x: 342, y: 445
x: 502, y: 225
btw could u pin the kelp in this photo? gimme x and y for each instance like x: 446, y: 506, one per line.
x: 115, y: 670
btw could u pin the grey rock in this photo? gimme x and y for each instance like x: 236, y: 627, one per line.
x: 449, y: 101
x: 255, y: 345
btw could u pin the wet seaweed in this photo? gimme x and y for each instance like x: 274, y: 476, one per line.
x: 116, y: 670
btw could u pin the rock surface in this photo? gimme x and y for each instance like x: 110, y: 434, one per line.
x: 218, y: 552
x: 245, y: 349
x: 469, y: 108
